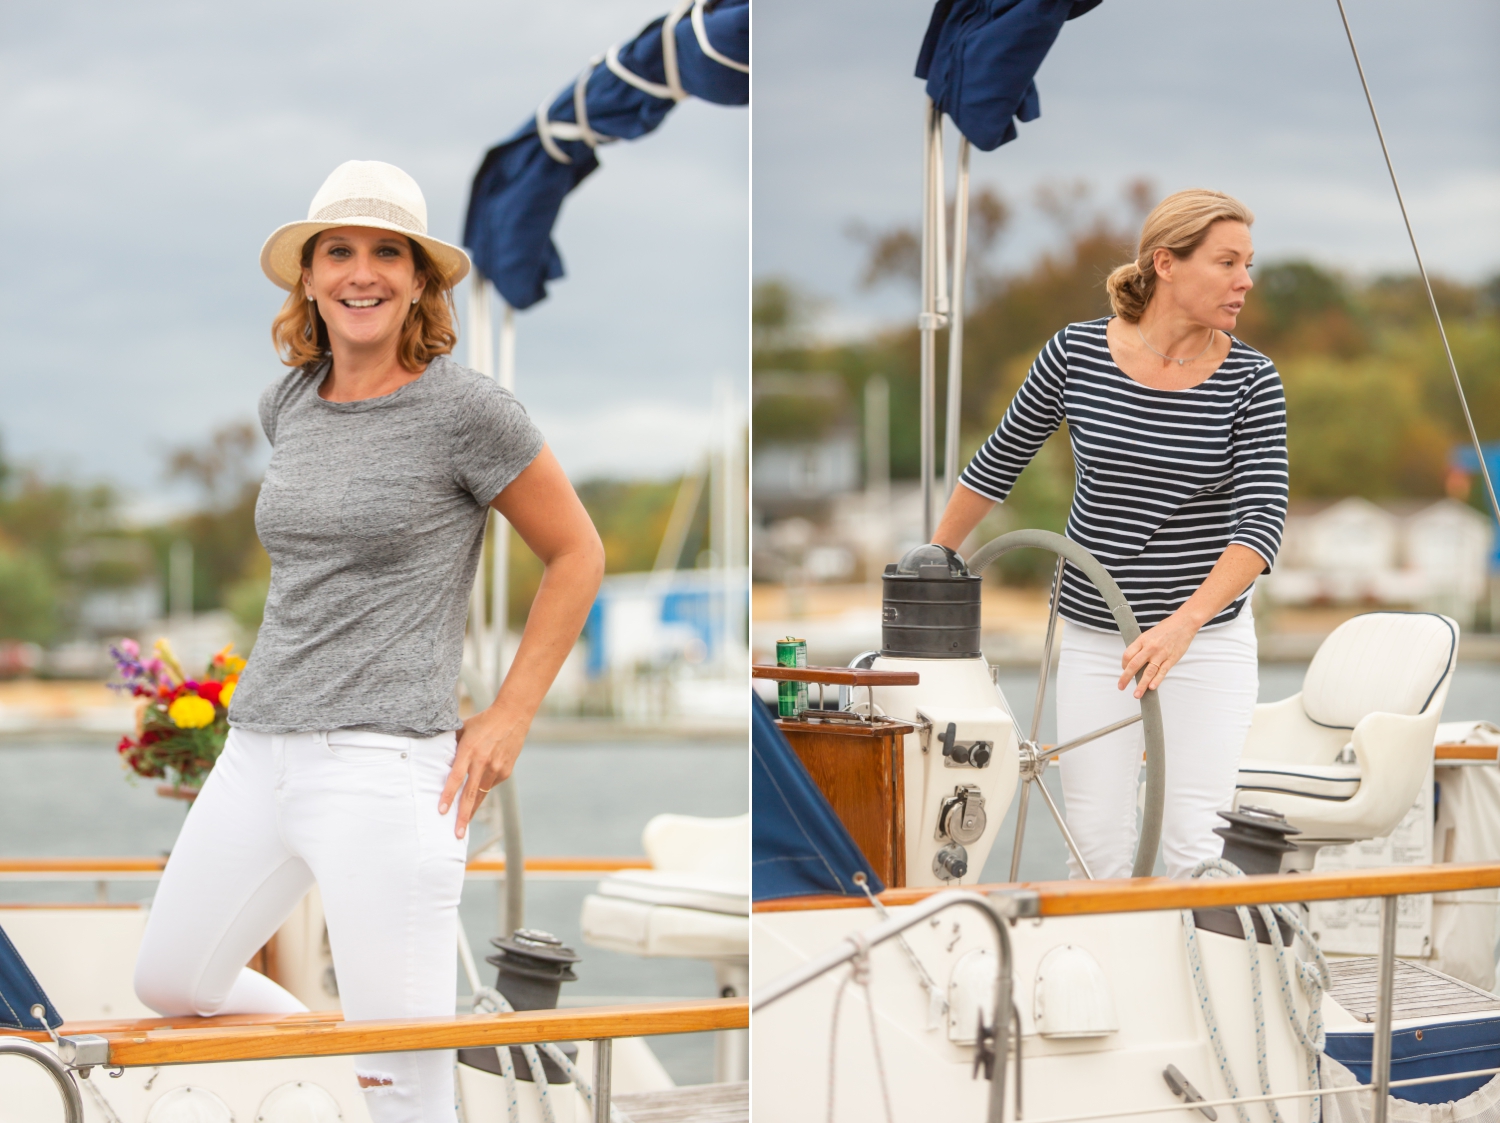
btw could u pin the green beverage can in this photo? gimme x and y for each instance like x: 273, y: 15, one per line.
x: 791, y: 697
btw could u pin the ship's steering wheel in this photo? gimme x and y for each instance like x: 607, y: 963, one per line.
x: 1036, y: 758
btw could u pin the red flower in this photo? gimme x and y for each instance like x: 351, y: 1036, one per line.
x: 209, y: 691
x: 125, y: 745
x: 150, y: 737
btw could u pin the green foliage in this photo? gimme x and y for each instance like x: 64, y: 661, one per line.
x: 226, y: 549
x: 1371, y: 405
x: 246, y: 602
x: 28, y: 598
x: 631, y: 517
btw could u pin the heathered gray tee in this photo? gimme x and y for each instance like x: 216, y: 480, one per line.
x: 373, y: 513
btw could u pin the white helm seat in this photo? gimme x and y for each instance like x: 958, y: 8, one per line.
x: 1344, y: 758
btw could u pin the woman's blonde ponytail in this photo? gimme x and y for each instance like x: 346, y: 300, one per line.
x: 1130, y: 290
x: 1178, y: 223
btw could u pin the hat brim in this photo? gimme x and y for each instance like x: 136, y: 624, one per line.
x: 281, y: 256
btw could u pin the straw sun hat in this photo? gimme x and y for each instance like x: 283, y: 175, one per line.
x: 361, y: 193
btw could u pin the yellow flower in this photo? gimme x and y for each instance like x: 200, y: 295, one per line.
x: 227, y: 694
x: 191, y: 712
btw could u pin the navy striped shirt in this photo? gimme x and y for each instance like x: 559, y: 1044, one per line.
x: 1165, y: 479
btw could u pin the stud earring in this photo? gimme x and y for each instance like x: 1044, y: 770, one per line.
x: 416, y: 298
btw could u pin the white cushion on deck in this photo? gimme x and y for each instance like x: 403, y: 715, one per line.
x: 1313, y: 781
x: 637, y: 928
x: 681, y: 890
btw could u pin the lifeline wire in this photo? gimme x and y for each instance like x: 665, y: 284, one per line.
x: 1463, y: 401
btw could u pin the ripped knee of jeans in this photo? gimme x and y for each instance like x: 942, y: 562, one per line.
x: 377, y: 1082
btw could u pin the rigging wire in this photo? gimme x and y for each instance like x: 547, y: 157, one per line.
x: 1463, y: 401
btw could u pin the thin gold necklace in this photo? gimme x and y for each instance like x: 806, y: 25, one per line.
x: 1212, y: 332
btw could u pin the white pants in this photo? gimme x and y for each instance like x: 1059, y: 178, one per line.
x: 1206, y: 703
x: 356, y: 813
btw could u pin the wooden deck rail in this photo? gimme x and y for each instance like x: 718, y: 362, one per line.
x: 168, y: 1041
x: 103, y: 868
x: 1150, y: 894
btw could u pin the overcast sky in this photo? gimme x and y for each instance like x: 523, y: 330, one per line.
x: 150, y: 148
x: 1258, y: 99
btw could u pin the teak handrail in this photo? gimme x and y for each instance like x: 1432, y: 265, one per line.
x: 1465, y: 752
x: 1151, y: 894
x: 324, y: 1035
x: 156, y: 865
x: 835, y: 676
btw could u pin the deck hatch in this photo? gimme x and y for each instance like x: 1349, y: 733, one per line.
x: 1420, y: 992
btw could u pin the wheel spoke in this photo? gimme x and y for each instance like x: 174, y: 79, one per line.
x: 1015, y: 854
x: 1041, y: 684
x: 1067, y: 834
x: 1087, y: 737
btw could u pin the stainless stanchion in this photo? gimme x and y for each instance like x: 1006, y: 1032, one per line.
x: 603, y: 1047
x: 1380, y: 1045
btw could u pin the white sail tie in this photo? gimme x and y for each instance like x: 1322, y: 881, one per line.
x: 549, y: 132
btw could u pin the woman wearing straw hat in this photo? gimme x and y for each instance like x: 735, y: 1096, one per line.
x: 1178, y: 432
x: 346, y: 764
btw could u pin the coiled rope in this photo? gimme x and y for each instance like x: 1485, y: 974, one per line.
x: 488, y: 1000
x: 1312, y: 978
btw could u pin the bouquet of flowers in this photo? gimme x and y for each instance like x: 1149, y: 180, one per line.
x: 181, y: 723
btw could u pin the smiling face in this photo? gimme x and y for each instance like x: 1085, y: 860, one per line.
x: 365, y: 282
x: 1210, y: 284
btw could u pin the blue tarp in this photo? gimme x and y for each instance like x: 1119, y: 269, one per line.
x: 520, y: 187
x: 1433, y: 1050
x: 979, y: 58
x: 798, y: 845
x: 1466, y: 460
x: 19, y: 992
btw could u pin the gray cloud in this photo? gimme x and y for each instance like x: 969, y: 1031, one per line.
x: 1261, y: 100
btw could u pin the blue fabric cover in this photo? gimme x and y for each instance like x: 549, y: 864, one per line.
x: 19, y: 991
x: 979, y: 58
x: 798, y: 845
x: 1459, y: 1046
x: 519, y: 189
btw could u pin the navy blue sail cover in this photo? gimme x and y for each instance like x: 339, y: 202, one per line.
x: 798, y: 846
x: 19, y: 992
x: 1457, y: 1046
x: 519, y: 188
x: 979, y: 58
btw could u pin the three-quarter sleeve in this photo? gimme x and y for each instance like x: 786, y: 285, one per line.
x: 1258, y: 453
x: 1034, y: 414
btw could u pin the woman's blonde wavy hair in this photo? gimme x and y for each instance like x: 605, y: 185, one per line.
x: 301, y: 337
x: 1179, y: 223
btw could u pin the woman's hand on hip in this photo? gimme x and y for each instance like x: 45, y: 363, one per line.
x: 1156, y: 652
x: 488, y: 746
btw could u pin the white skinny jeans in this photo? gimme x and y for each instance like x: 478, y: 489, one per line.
x: 356, y: 813
x: 1206, y: 703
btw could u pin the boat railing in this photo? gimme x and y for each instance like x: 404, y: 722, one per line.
x: 1088, y: 898
x: 482, y: 867
x: 80, y: 1047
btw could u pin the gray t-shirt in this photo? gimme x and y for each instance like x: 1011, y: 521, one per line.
x: 373, y: 513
